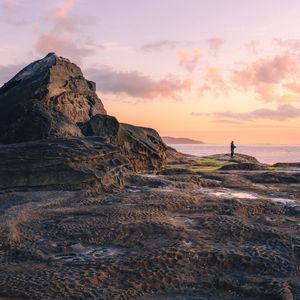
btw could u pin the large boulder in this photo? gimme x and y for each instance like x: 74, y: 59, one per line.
x: 142, y: 146
x: 66, y: 163
x: 46, y: 99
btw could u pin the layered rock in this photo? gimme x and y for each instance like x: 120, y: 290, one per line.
x: 50, y: 98
x: 46, y: 99
x: 62, y: 163
x: 142, y: 146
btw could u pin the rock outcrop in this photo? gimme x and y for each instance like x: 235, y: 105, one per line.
x: 49, y: 101
x: 62, y: 163
x: 46, y: 99
x: 142, y: 146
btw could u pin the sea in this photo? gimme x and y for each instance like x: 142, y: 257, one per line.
x: 268, y: 154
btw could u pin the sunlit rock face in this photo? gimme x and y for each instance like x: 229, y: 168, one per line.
x: 46, y: 99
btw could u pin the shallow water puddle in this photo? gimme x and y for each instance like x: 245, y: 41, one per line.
x: 165, y: 189
x: 78, y: 253
x: 284, y: 201
x: 228, y: 194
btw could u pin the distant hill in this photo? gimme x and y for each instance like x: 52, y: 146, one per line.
x: 172, y: 140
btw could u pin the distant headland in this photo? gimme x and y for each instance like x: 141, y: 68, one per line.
x: 173, y: 140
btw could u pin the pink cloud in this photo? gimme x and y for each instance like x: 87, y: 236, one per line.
x: 214, y: 82
x: 65, y: 36
x: 268, y: 77
x: 252, y: 47
x: 10, y: 5
x: 189, y: 59
x: 137, y: 85
x: 215, y: 43
x: 264, y: 71
x: 293, y: 86
x: 281, y: 113
x: 62, y: 12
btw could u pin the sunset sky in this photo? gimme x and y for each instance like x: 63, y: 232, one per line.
x: 205, y: 69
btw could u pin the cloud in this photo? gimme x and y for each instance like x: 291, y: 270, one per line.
x: 65, y: 36
x: 63, y: 11
x: 136, y: 85
x: 189, y: 59
x: 214, y: 82
x: 293, y: 86
x: 215, y: 43
x: 64, y: 45
x: 160, y: 45
x: 264, y: 71
x: 9, y: 6
x: 7, y: 72
x: 252, y: 47
x: 268, y: 77
x: 291, y: 45
x: 281, y: 113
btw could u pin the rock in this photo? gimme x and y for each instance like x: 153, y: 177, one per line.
x: 142, y: 146
x: 173, y: 154
x: 243, y: 166
x: 101, y: 125
x: 287, y: 165
x: 46, y: 99
x: 176, y: 171
x: 238, y: 158
x: 63, y: 163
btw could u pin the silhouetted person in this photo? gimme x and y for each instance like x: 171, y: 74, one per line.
x: 232, y: 147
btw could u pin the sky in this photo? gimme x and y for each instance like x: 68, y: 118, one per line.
x: 211, y: 70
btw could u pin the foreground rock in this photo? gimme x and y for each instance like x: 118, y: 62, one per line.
x: 72, y: 163
x: 46, y: 99
x: 185, y: 234
x: 142, y: 146
x: 51, y: 98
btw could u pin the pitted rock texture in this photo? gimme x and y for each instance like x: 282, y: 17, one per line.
x: 46, y: 99
x: 173, y: 236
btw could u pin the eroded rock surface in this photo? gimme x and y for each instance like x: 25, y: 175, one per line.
x: 46, y: 99
x: 205, y: 234
x: 65, y: 163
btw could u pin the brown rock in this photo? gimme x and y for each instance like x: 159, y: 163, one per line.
x: 65, y: 163
x: 46, y: 99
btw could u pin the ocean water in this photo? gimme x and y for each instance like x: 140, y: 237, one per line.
x: 268, y: 154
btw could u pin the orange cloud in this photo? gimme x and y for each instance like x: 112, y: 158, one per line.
x: 61, y: 13
x: 214, y: 81
x: 293, y: 86
x: 189, y: 59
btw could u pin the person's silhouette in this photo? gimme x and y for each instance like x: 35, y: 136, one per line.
x: 232, y: 148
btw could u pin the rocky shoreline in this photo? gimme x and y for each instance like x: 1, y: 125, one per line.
x: 91, y: 208
x: 184, y: 232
